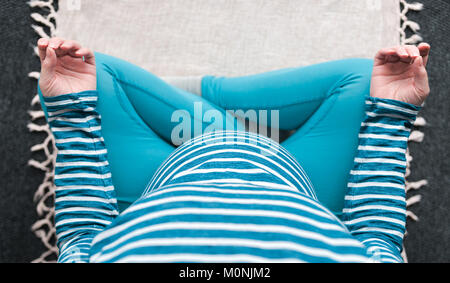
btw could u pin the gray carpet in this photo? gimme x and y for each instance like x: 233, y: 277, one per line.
x: 429, y: 239
x: 18, y: 181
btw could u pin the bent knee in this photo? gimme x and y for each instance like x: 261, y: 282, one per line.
x: 114, y: 66
x: 353, y: 78
x: 359, y: 67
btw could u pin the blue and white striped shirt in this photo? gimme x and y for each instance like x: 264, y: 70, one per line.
x: 228, y: 196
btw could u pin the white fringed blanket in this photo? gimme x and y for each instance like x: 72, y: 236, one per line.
x: 174, y: 38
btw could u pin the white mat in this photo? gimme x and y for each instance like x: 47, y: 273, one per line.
x: 218, y: 37
x: 230, y: 37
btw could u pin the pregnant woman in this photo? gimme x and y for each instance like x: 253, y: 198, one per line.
x: 125, y: 193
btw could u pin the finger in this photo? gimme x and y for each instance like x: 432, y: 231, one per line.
x: 403, y: 54
x: 421, y: 76
x: 42, y: 48
x: 55, y: 42
x: 49, y: 63
x: 413, y: 52
x: 70, y: 46
x: 424, y: 49
x: 87, y: 54
x: 384, y: 55
x: 419, y: 63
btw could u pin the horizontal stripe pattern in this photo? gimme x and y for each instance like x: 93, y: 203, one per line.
x: 270, y: 224
x: 375, y: 205
x: 227, y: 197
x: 85, y: 200
x: 239, y: 151
x: 228, y: 193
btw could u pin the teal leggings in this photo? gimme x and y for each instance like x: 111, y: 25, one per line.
x: 321, y: 105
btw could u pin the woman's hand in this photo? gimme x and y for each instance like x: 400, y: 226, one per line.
x: 400, y: 73
x: 66, y: 67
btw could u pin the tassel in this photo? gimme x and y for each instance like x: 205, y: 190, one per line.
x: 420, y: 122
x: 413, y: 200
x: 416, y: 136
x: 44, y: 227
x: 416, y: 185
x: 415, y: 6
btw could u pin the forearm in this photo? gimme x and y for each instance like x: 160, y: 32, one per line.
x: 85, y: 201
x: 375, y: 205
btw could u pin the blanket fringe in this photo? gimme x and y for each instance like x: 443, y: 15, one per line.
x: 409, y: 25
x: 416, y: 136
x: 44, y: 227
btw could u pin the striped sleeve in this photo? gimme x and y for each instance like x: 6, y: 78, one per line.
x: 375, y: 205
x: 85, y: 201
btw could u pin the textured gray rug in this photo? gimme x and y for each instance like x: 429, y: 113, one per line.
x: 230, y: 37
x: 221, y: 37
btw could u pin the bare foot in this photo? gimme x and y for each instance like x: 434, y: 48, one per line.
x: 400, y: 73
x: 66, y: 67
